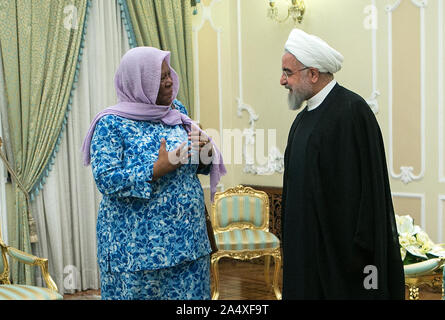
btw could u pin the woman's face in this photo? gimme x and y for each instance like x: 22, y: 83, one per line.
x: 166, y: 86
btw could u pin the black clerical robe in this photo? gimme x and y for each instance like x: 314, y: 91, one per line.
x: 337, y: 212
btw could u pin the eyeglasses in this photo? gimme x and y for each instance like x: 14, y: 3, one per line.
x: 288, y: 74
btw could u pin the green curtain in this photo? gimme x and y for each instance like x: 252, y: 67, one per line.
x: 41, y: 45
x: 167, y: 25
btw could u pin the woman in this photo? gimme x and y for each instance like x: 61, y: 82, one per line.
x: 151, y: 229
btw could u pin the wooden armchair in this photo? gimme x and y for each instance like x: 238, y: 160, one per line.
x: 10, y: 291
x: 240, y: 218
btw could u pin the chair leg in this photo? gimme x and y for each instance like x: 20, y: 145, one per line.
x: 277, y: 261
x: 267, y: 269
x: 215, y: 272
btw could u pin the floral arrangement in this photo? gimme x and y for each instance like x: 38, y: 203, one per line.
x: 415, y: 245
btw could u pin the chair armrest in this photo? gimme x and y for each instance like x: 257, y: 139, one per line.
x: 34, y: 261
x: 23, y: 256
x: 4, y: 275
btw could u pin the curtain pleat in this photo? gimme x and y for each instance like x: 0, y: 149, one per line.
x: 7, y: 150
x: 67, y: 207
x: 40, y: 51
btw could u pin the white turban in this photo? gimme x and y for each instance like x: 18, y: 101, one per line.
x: 313, y: 51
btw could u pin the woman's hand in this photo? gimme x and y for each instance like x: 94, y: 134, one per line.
x: 200, y: 143
x: 169, y: 161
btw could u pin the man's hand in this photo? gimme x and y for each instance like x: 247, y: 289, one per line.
x: 200, y: 144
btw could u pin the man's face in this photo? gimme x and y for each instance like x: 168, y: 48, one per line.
x: 295, y: 78
x: 166, y: 86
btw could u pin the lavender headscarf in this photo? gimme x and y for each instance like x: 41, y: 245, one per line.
x: 137, y: 82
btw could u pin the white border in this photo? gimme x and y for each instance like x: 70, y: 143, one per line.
x: 420, y: 196
x: 406, y: 174
x: 440, y: 83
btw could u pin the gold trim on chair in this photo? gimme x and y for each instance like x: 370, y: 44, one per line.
x: 241, y: 221
x: 26, y: 258
x: 428, y: 272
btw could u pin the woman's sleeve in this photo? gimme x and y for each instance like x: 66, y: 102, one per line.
x: 180, y: 107
x: 112, y: 176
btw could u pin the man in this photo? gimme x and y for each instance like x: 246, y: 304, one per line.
x: 339, y: 234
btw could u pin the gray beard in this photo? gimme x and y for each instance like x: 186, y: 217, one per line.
x: 295, y: 100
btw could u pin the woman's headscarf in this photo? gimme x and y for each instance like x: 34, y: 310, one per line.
x: 137, y: 83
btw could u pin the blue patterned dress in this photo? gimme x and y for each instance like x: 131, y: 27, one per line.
x: 148, y: 232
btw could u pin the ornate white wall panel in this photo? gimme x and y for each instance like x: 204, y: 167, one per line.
x: 406, y: 174
x: 275, y: 161
x: 207, y: 16
x: 420, y: 196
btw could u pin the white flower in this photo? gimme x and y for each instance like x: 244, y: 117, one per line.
x: 405, y: 225
x: 438, y: 251
x: 424, y: 241
x: 414, y: 240
x: 417, y: 251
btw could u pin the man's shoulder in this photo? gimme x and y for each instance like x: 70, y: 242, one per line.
x: 349, y: 102
x: 346, y: 111
x: 348, y: 97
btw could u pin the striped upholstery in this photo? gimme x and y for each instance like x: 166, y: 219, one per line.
x: 239, y: 209
x: 246, y: 239
x: 23, y: 292
x: 21, y: 256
